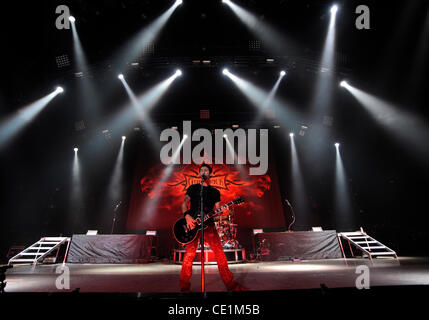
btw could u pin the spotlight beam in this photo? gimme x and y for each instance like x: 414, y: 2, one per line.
x: 298, y: 189
x: 132, y: 48
x: 259, y: 97
x: 76, y: 194
x: 136, y: 45
x: 115, y: 190
x: 343, y: 208
x: 131, y: 95
x: 323, y: 94
x: 267, y: 104
x: 410, y: 130
x: 138, y: 108
x: 234, y: 156
x: 138, y: 111
x: 329, y: 48
x: 82, y: 64
x: 157, y: 190
x: 12, y: 125
x: 275, y: 40
x: 87, y: 92
x: 272, y: 93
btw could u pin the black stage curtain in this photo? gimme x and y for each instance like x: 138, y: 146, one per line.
x: 306, y: 245
x: 109, y: 248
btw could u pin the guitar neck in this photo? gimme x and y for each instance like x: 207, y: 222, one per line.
x: 213, y: 213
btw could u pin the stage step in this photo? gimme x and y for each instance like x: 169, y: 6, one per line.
x: 383, y: 253
x: 366, y: 242
x: 43, y: 248
x: 366, y: 246
x: 23, y: 260
x: 47, y: 242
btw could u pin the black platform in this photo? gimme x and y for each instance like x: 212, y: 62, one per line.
x: 110, y: 248
x: 305, y: 245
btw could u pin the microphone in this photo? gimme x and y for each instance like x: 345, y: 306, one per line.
x: 203, y: 176
x: 287, y: 201
x: 119, y: 203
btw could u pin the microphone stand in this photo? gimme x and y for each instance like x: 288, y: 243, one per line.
x: 203, y: 289
x: 114, y: 216
x: 293, y: 215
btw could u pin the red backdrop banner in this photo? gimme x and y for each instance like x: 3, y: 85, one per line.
x: 158, y: 192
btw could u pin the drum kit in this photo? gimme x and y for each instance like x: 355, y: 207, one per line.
x: 227, y: 230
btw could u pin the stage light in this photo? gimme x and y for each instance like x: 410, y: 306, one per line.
x: 178, y: 72
x: 291, y: 134
x: 337, y: 145
x: 334, y: 9
x: 225, y: 71
x: 225, y: 136
x: 75, y: 149
x: 179, y: 2
x: 343, y: 83
x: 124, y: 137
x: 60, y: 89
x: 282, y: 73
x: 121, y: 76
x: 185, y: 136
x: 72, y: 19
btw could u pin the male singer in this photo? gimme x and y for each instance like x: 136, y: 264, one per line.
x: 211, y: 199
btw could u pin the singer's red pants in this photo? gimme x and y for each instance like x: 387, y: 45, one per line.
x: 212, y: 238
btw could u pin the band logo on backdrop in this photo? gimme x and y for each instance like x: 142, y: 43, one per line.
x: 228, y: 179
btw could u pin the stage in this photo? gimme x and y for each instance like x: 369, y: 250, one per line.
x: 311, y: 287
x: 294, y: 132
x: 163, y: 277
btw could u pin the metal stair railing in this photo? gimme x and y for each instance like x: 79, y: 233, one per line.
x: 366, y: 244
x: 40, y: 250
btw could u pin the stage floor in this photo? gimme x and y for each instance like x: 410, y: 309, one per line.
x: 163, y: 277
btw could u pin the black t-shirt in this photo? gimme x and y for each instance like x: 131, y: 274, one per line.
x: 211, y: 195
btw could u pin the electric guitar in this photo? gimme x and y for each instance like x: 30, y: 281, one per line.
x: 184, y: 235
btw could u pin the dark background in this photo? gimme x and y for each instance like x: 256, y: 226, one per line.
x: 387, y: 183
